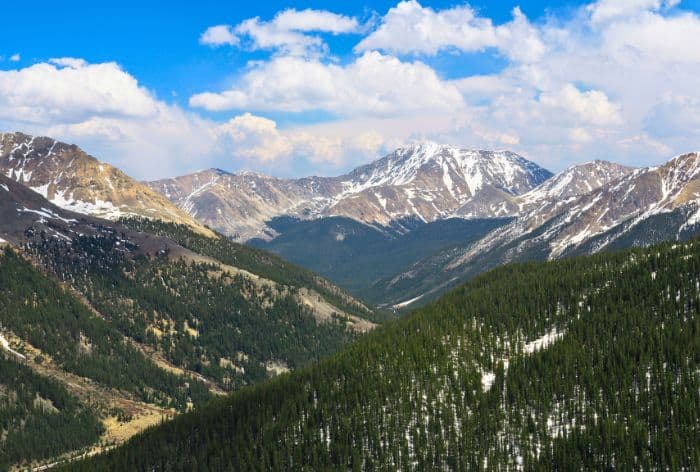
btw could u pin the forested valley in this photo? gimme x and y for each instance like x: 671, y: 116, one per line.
x: 584, y: 363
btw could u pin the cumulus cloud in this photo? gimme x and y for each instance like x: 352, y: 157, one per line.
x: 589, y: 107
x: 219, y: 35
x: 373, y: 84
x: 412, y: 28
x: 104, y: 109
x: 654, y: 37
x: 15, y: 57
x: 606, y: 10
x: 258, y: 140
x: 70, y: 62
x: 287, y: 33
x: 71, y: 90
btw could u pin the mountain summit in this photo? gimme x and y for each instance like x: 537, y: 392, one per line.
x: 70, y: 178
x: 426, y: 181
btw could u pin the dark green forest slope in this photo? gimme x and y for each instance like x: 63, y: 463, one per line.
x: 135, y: 327
x: 228, y: 327
x: 584, y: 363
x: 38, y: 417
x: 254, y: 260
x: 364, y: 259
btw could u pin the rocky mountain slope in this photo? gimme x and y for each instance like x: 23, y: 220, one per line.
x: 638, y: 208
x: 577, y: 364
x: 560, y: 225
x: 425, y: 181
x: 138, y: 319
x: 76, y: 181
x: 387, y: 266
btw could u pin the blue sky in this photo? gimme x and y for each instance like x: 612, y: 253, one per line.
x: 486, y: 76
x: 158, y: 41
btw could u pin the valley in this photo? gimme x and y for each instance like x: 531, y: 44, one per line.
x: 598, y: 367
x: 135, y: 326
x: 311, y: 236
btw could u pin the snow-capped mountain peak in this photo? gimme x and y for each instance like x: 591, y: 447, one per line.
x: 427, y: 181
x: 71, y: 179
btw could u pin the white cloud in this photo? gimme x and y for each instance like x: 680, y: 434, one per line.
x: 255, y: 137
x: 72, y: 62
x: 219, y: 35
x: 412, y: 28
x: 590, y: 107
x: 654, y: 37
x: 287, y: 33
x: 257, y: 141
x: 105, y: 110
x: 44, y: 93
x: 586, y: 85
x: 15, y: 57
x: 606, y: 10
x: 373, y: 84
x: 315, y: 20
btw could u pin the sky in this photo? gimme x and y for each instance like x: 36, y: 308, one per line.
x: 308, y: 87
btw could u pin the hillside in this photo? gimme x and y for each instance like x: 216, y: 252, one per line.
x: 585, y: 209
x: 427, y: 182
x: 588, y: 363
x: 357, y: 256
x: 136, y: 327
x: 406, y: 266
x: 71, y: 179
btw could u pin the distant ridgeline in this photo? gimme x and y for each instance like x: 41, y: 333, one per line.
x: 583, y: 363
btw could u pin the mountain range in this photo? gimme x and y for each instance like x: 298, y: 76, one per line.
x: 359, y: 229
x: 121, y: 307
x: 398, y: 231
x: 427, y: 182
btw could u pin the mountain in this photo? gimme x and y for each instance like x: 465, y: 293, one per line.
x: 239, y: 205
x: 391, y: 267
x: 576, y: 181
x: 71, y: 179
x: 133, y: 321
x: 432, y: 181
x: 424, y: 181
x: 632, y: 207
x: 577, y: 364
x: 557, y: 229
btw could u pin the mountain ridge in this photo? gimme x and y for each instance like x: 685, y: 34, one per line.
x: 427, y: 181
x: 72, y: 179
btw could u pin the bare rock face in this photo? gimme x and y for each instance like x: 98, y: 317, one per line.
x: 557, y: 219
x: 426, y: 181
x: 71, y: 179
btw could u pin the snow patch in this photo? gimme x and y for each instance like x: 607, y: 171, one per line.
x: 487, y: 380
x: 543, y: 342
x: 6, y: 346
x: 46, y: 213
x: 408, y: 302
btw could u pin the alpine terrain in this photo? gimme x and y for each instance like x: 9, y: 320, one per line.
x: 638, y: 208
x: 109, y: 327
x: 587, y: 364
x: 76, y: 181
x: 426, y: 182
